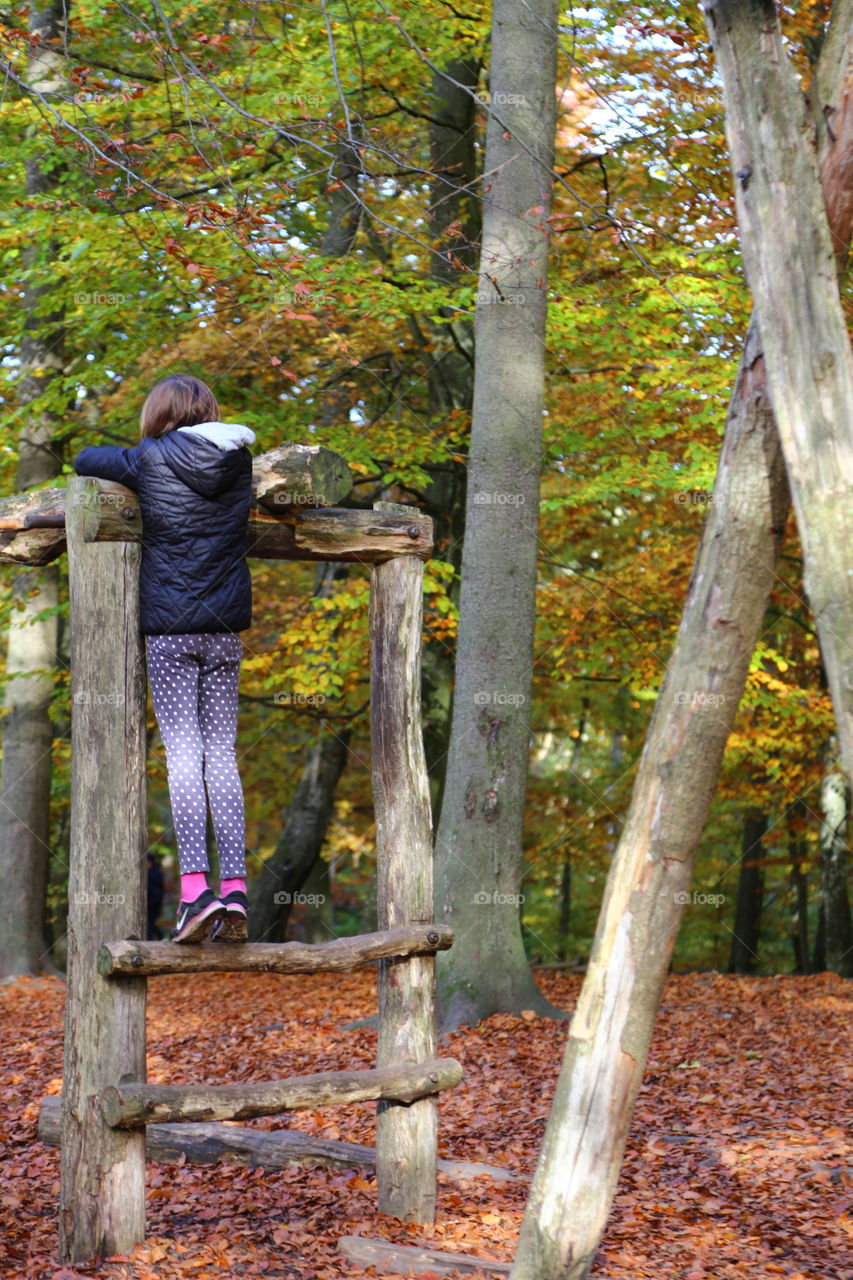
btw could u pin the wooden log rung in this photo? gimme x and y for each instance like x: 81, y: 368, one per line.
x: 128, y: 1106
x: 134, y: 958
x: 209, y: 1142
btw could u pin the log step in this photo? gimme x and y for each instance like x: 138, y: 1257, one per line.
x: 137, y: 959
x: 206, y: 1143
x: 407, y: 1259
x: 127, y: 1106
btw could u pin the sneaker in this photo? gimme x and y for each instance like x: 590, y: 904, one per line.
x: 233, y: 927
x: 195, y: 918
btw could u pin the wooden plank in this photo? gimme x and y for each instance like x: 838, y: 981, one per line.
x: 32, y: 530
x: 406, y: 1137
x: 205, y: 1143
x: 154, y: 958
x: 405, y: 1259
x: 130, y: 1105
x: 102, y: 1197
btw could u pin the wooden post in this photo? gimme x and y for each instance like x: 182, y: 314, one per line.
x: 406, y: 1136
x: 102, y: 1207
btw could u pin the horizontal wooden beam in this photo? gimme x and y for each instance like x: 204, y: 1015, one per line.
x: 127, y: 1106
x: 150, y: 959
x: 408, y: 1259
x: 32, y: 528
x: 205, y: 1143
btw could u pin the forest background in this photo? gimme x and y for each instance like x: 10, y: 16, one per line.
x: 260, y: 195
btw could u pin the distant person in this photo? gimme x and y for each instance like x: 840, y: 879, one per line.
x: 155, y: 897
x: 193, y: 475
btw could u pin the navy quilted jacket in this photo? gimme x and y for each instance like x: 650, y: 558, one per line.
x: 195, y: 490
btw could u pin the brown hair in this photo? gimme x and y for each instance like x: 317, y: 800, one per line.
x: 179, y: 401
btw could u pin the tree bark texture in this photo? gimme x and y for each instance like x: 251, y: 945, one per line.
x: 743, y: 952
x: 454, y: 227
x: 406, y: 1137
x: 479, y: 841
x: 330, y: 533
x: 152, y: 959
x: 650, y: 877
x: 836, y: 941
x: 790, y: 267
x: 102, y: 1206
x: 301, y: 840
x: 205, y: 1143
x: 128, y: 1106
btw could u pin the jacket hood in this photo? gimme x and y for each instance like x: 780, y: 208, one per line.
x: 227, y: 435
x: 208, y: 457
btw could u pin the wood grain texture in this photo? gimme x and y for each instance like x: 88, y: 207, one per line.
x: 32, y: 528
x: 102, y: 1209
x: 207, y: 1142
x: 294, y: 476
x: 152, y: 959
x: 406, y: 1137
x: 127, y: 1106
x: 791, y: 269
x: 406, y: 1259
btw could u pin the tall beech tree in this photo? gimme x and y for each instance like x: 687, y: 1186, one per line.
x: 650, y: 878
x: 479, y: 839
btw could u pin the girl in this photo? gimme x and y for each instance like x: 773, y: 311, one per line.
x: 193, y: 475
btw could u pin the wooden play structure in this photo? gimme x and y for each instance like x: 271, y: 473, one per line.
x: 106, y: 1101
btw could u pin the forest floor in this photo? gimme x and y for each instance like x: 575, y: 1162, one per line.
x: 737, y: 1165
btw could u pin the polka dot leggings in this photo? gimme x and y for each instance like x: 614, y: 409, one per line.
x: 194, y: 681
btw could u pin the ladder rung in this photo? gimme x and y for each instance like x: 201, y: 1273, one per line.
x: 149, y: 959
x: 127, y: 1106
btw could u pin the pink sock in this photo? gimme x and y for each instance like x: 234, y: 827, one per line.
x: 232, y: 886
x: 193, y: 886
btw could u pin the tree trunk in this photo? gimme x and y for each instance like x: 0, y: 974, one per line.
x: 479, y: 843
x: 454, y: 226
x: 301, y: 840
x: 608, y: 1041
x: 566, y: 870
x: 835, y: 948
x: 319, y: 922
x: 788, y: 256
x: 32, y: 638
x: 798, y: 854
x: 743, y: 955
